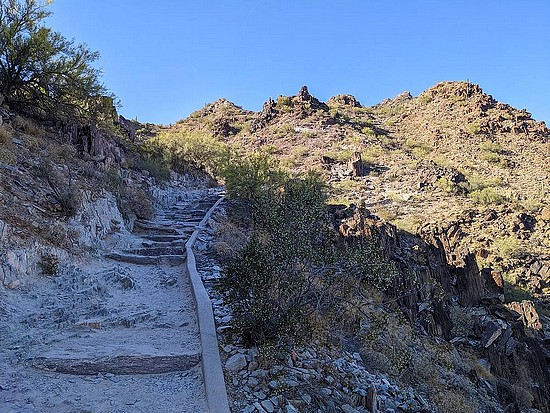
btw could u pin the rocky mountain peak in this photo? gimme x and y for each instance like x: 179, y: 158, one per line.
x: 344, y: 100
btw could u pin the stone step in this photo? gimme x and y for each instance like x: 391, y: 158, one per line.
x: 120, y: 351
x: 147, y: 259
x: 140, y: 227
x: 177, y: 223
x: 172, y: 222
x: 119, y: 364
x: 156, y: 251
x: 178, y: 243
x: 165, y: 238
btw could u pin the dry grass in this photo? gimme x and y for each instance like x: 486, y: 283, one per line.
x: 8, y: 157
x: 230, y: 238
x: 5, y: 135
x: 453, y: 401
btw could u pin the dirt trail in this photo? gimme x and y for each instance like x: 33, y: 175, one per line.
x: 115, y: 333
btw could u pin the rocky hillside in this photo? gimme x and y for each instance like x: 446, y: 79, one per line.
x: 455, y: 187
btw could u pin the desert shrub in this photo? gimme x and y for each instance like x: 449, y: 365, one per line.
x: 509, y: 247
x: 284, y: 102
x: 5, y: 136
x: 491, y: 157
x: 473, y: 128
x: 292, y: 272
x: 419, y: 149
x: 32, y: 128
x: 453, y: 401
x: 184, y: 151
x: 491, y: 147
x: 42, y: 71
x: 139, y: 202
x: 446, y: 185
x: 8, y: 157
x: 250, y: 178
x: 130, y: 201
x: 63, y: 192
x: 154, y: 165
x: 487, y: 196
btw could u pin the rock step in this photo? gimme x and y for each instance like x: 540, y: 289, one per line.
x: 156, y: 251
x: 165, y: 238
x: 178, y: 243
x: 140, y: 227
x: 173, y: 223
x: 147, y: 259
x: 120, y: 364
x: 180, y: 226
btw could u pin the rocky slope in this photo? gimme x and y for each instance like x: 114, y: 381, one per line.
x: 455, y: 186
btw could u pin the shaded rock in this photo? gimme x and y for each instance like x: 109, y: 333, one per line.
x: 490, y: 334
x: 356, y: 166
x: 372, y: 400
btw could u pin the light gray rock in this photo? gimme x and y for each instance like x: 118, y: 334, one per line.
x: 268, y: 406
x: 236, y: 362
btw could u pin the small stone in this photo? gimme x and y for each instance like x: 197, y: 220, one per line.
x: 260, y: 395
x: 291, y: 409
x: 252, y: 382
x: 268, y: 406
x: 14, y: 284
x: 236, y: 362
x: 348, y: 409
x: 259, y: 407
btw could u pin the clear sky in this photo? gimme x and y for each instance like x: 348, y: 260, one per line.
x: 166, y: 58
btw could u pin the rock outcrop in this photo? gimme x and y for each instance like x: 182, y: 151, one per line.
x: 436, y: 272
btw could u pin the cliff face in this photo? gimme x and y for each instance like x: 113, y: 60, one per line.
x: 437, y: 276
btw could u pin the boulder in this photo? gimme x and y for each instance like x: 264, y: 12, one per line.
x: 528, y: 316
x: 236, y: 362
x: 356, y: 166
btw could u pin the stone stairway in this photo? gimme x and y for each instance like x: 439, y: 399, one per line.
x: 147, y: 328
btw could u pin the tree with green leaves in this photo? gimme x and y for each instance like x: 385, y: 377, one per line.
x: 41, y: 72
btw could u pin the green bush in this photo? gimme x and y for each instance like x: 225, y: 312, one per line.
x: 492, y: 147
x: 487, y: 196
x: 284, y: 102
x: 473, y: 128
x: 41, y: 69
x: 292, y: 272
x: 250, y: 178
x: 185, y: 151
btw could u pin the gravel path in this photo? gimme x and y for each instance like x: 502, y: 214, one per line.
x: 116, y: 333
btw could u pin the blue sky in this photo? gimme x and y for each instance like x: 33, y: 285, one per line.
x: 167, y: 58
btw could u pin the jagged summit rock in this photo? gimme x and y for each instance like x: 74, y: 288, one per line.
x: 450, y: 89
x: 304, y: 97
x: 344, y: 100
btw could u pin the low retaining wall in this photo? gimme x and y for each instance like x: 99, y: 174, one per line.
x: 214, y: 383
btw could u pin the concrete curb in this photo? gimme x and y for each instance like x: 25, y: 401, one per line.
x: 214, y: 383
